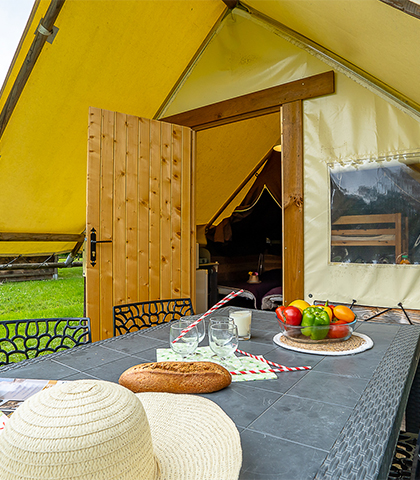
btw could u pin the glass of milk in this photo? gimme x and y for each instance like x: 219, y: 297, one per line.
x: 242, y: 319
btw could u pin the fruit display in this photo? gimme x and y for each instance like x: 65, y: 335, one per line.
x: 316, y: 323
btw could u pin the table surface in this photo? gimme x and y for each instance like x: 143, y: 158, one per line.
x: 338, y: 420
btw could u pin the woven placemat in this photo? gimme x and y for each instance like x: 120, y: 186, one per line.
x: 358, y: 342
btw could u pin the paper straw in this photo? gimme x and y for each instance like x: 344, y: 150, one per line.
x: 283, y: 367
x: 267, y: 370
x: 212, y: 309
x: 3, y: 419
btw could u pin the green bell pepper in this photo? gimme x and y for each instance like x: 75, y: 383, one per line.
x: 315, y: 317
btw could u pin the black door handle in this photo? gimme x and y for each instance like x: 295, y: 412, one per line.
x: 93, y: 243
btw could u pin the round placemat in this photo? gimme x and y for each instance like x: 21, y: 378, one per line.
x: 358, y: 342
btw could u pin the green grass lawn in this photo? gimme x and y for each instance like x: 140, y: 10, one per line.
x: 40, y: 299
x: 44, y: 298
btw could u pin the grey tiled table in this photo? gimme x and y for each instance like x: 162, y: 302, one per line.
x: 338, y: 420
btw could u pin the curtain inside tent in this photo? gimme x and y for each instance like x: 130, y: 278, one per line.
x: 256, y: 222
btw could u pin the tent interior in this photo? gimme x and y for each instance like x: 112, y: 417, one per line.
x: 247, y: 245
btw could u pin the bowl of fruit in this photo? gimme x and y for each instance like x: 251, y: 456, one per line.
x: 323, y: 323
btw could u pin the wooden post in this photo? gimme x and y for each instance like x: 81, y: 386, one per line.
x: 29, y: 62
x: 292, y: 201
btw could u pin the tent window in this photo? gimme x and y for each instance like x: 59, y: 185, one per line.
x: 375, y: 211
x: 412, y: 7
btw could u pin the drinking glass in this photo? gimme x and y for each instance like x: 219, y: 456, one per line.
x: 242, y: 319
x: 201, y: 328
x: 214, y: 320
x: 223, y: 340
x: 187, y: 344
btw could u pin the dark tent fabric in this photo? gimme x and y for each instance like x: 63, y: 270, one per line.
x: 267, y: 187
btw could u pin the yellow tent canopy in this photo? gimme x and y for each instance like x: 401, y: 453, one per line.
x: 132, y: 56
x: 156, y: 59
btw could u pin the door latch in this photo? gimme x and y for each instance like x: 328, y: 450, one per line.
x: 93, y: 243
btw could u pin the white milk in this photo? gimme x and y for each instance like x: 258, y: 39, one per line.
x: 242, y: 319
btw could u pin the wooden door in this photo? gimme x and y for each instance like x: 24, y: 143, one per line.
x: 140, y: 203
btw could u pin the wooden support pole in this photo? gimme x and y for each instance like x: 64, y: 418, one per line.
x: 38, y: 266
x: 76, y: 248
x: 292, y: 201
x: 41, y: 237
x: 29, y: 62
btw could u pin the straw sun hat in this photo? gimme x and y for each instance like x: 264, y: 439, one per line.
x: 95, y: 430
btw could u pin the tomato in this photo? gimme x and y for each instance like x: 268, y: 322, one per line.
x: 344, y: 313
x: 279, y: 313
x: 338, y: 329
x: 293, y: 315
x: 300, y: 304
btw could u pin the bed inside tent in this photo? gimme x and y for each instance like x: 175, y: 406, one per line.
x: 247, y: 245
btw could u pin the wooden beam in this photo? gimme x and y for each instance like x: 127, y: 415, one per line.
x: 38, y: 266
x: 292, y: 201
x: 255, y: 104
x: 41, y: 237
x: 190, y: 65
x: 21, y: 42
x: 77, y: 247
x: 29, y: 63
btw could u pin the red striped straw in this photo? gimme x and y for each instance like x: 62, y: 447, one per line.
x: 267, y: 370
x: 212, y: 309
x: 283, y: 367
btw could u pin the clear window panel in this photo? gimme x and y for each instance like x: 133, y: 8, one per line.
x: 375, y: 211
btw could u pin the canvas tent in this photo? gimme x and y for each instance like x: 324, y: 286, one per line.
x: 158, y: 59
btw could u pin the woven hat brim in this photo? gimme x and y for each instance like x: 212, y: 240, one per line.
x: 78, y: 430
x: 193, y: 438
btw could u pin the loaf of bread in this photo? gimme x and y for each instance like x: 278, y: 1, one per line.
x: 176, y: 377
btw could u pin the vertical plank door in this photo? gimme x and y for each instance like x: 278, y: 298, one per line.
x: 140, y: 203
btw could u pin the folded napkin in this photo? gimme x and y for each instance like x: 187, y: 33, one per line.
x: 235, y: 363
